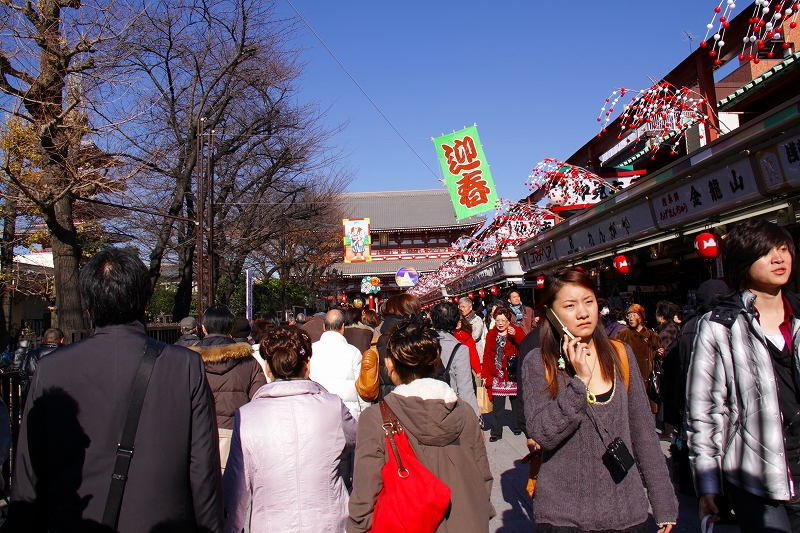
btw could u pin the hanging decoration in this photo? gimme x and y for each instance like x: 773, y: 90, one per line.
x: 720, y: 21
x: 482, y: 293
x: 494, y: 290
x: 540, y: 282
x: 659, y: 115
x: 570, y: 187
x: 707, y: 245
x: 767, y: 28
x: 471, y: 295
x: 623, y: 264
x: 370, y: 285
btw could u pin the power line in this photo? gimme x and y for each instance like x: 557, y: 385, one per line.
x: 362, y: 90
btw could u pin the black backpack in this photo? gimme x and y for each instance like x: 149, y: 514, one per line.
x: 443, y: 372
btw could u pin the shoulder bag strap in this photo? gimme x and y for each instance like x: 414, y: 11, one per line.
x: 391, y: 426
x: 452, y: 356
x: 125, y: 447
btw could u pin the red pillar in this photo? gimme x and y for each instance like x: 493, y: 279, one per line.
x: 705, y: 79
x: 372, y: 301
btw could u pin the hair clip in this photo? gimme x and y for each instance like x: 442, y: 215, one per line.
x: 302, y: 351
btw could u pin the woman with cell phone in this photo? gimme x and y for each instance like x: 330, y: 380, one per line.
x: 592, y: 421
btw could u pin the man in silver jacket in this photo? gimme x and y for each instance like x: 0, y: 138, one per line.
x: 742, y: 410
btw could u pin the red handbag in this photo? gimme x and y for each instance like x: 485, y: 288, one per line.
x: 412, y: 499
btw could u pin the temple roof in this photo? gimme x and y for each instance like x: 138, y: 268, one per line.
x: 394, y: 210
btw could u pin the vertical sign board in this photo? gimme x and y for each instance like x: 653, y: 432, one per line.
x: 248, y: 298
x: 780, y: 165
x: 466, y: 172
x: 356, y: 240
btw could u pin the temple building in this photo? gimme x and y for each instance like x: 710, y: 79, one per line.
x: 412, y: 229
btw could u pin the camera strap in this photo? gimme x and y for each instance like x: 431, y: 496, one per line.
x: 598, y: 425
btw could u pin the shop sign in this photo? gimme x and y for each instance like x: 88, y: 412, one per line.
x: 488, y: 273
x: 634, y: 222
x: 712, y: 193
x: 538, y: 257
x: 780, y: 165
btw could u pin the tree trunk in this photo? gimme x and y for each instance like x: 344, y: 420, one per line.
x: 184, y: 294
x: 7, y: 261
x: 68, y: 313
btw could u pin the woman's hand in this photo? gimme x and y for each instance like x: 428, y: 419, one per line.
x: 666, y: 528
x: 511, y: 331
x: 708, y: 507
x: 577, y: 353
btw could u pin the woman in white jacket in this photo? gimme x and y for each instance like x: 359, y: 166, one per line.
x: 286, y: 448
x: 743, y: 414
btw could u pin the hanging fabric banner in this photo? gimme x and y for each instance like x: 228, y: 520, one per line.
x: 466, y: 172
x: 356, y: 240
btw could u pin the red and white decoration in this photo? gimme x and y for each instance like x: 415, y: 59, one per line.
x: 540, y: 282
x: 623, y: 264
x: 707, y: 245
x: 569, y: 187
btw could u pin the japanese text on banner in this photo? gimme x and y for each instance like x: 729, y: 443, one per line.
x: 467, y: 174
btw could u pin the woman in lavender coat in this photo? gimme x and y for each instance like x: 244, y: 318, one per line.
x: 286, y: 448
x: 578, y: 401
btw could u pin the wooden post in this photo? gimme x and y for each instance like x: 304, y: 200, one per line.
x: 705, y: 80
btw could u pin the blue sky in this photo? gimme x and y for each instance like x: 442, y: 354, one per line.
x: 533, y: 75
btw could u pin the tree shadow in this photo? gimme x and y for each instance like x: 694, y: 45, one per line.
x: 513, y: 485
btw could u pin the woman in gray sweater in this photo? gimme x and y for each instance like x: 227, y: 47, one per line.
x: 585, y: 411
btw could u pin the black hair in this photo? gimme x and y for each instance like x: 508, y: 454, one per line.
x: 746, y: 243
x: 351, y: 317
x: 114, y: 287
x: 413, y: 346
x: 445, y: 317
x: 218, y: 319
x: 665, y: 309
x: 286, y: 351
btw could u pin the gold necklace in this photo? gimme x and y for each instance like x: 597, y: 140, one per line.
x: 590, y: 397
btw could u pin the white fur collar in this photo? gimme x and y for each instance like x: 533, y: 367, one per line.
x: 427, y: 389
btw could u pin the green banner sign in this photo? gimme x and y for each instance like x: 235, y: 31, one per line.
x: 466, y: 172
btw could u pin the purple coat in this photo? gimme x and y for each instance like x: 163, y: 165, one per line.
x: 286, y: 447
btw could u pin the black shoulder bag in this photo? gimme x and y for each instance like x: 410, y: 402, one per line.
x: 125, y: 447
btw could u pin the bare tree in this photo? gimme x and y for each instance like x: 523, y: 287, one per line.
x: 224, y: 71
x: 51, y: 53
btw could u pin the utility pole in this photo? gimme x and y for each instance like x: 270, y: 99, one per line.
x: 210, y: 214
x: 198, y: 249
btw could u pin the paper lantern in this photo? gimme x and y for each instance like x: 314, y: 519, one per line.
x: 471, y: 295
x: 540, y: 282
x: 482, y: 293
x: 494, y: 290
x: 623, y: 264
x: 707, y: 245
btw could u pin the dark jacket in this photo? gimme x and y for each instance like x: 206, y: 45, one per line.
x: 386, y: 383
x: 359, y: 336
x: 31, y: 360
x: 667, y: 333
x: 73, y: 421
x: 187, y: 340
x: 233, y: 374
x: 315, y: 327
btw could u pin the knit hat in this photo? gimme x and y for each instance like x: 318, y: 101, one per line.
x: 710, y: 288
x: 188, y: 322
x: 241, y: 328
x: 638, y: 309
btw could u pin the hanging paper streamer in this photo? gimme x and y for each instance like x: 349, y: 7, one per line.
x: 659, y: 115
x: 466, y: 172
x: 570, y: 187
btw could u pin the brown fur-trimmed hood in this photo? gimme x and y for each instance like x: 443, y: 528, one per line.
x: 223, y: 352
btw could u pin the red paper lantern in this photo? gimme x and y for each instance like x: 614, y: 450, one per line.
x: 623, y: 264
x: 540, y: 282
x: 471, y: 295
x: 494, y: 290
x: 707, y: 245
x: 482, y: 293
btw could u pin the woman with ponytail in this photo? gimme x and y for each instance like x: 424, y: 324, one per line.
x: 587, y: 408
x: 286, y: 448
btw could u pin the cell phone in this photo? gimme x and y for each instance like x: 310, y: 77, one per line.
x: 619, y: 451
x: 558, y: 325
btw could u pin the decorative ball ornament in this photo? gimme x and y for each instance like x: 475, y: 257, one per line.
x: 494, y: 290
x: 482, y: 293
x: 557, y: 196
x: 707, y: 245
x: 623, y: 264
x: 540, y: 282
x: 471, y: 295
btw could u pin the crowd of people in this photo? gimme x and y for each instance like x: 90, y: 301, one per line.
x: 268, y: 427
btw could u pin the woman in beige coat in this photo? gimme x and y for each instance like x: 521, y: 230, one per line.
x: 442, y: 431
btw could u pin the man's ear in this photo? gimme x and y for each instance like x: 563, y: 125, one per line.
x: 204, y: 330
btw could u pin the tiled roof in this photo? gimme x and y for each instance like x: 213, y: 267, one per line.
x: 772, y: 75
x: 405, y: 209
x: 383, y: 268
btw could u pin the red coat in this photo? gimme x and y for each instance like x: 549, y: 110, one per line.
x: 490, y: 352
x: 466, y: 339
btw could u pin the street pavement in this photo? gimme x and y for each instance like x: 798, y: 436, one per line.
x: 514, y: 507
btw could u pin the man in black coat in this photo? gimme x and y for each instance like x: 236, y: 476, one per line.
x: 76, y: 409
